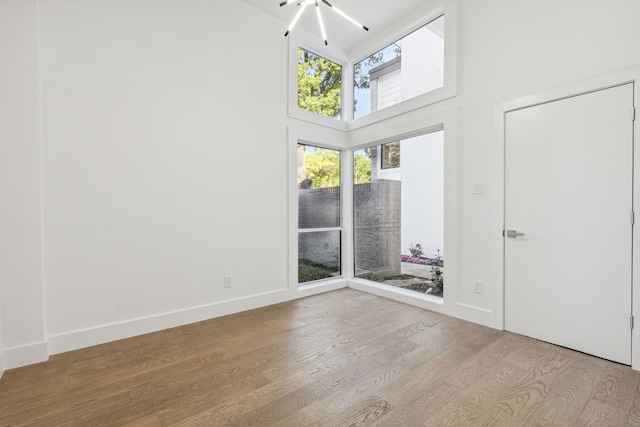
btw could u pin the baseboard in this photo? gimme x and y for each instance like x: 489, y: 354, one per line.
x: 1, y: 363
x: 400, y: 295
x: 321, y: 287
x: 25, y: 355
x: 462, y: 311
x: 474, y: 314
x: 103, y: 334
x: 35, y: 353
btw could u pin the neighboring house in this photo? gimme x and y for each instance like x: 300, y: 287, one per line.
x: 420, y: 166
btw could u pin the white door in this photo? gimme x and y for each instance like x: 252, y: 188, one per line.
x: 568, y: 189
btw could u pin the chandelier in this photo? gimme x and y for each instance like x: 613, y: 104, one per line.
x: 302, y: 4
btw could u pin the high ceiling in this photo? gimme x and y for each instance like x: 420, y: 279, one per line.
x: 377, y: 15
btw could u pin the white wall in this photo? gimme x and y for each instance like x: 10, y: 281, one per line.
x: 507, y: 50
x: 21, y: 295
x: 2, y: 364
x: 165, y: 162
x: 165, y: 153
x: 164, y: 166
x: 422, y: 161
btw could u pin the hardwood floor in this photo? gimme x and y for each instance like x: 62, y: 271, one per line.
x: 344, y: 358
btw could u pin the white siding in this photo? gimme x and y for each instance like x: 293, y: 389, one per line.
x: 389, y: 89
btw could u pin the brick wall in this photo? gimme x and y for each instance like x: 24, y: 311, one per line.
x: 318, y: 208
x: 377, y: 225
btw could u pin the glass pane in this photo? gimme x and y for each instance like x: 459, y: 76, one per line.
x: 399, y: 215
x: 409, y: 67
x: 391, y: 155
x: 318, y: 187
x: 319, y: 84
x: 318, y: 255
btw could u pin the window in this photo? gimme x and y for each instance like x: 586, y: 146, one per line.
x: 390, y: 155
x: 411, y: 66
x: 399, y: 216
x: 349, y: 89
x: 319, y: 213
x: 319, y: 84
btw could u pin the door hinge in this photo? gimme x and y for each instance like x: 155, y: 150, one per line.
x: 631, y: 321
x: 633, y: 218
x: 633, y: 113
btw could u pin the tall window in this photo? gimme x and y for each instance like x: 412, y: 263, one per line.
x: 319, y: 214
x: 399, y: 215
x: 319, y: 84
x: 409, y: 67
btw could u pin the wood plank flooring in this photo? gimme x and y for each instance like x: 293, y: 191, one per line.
x: 343, y: 358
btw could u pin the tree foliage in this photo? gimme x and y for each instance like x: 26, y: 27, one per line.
x: 320, y: 80
x: 319, y: 84
x: 323, y: 167
x: 361, y: 167
x: 361, y: 70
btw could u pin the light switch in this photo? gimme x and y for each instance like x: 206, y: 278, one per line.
x: 477, y: 187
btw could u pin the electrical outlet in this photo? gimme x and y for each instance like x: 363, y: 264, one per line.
x: 478, y: 287
x: 227, y: 281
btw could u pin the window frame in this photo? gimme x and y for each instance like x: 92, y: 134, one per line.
x: 431, y: 302
x: 336, y: 282
x: 342, y: 85
x: 433, y: 9
x: 448, y: 8
x: 392, y: 67
x: 339, y: 228
x: 335, y: 55
x: 444, y: 119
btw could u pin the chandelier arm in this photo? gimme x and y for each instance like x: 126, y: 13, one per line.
x: 347, y: 17
x: 305, y: 3
x: 295, y: 19
x: 324, y: 33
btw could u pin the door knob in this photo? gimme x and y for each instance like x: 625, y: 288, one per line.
x: 514, y: 233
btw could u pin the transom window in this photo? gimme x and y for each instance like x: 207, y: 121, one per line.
x: 411, y: 66
x: 346, y: 90
x: 319, y: 84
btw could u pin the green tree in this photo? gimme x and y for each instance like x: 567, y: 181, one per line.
x: 362, y: 167
x: 361, y: 78
x: 319, y: 84
x: 323, y: 167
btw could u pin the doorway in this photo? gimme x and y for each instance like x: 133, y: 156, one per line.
x: 568, y: 222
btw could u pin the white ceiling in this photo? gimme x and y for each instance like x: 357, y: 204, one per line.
x: 377, y: 15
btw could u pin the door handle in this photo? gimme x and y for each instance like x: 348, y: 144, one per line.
x: 513, y: 234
